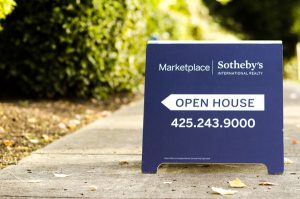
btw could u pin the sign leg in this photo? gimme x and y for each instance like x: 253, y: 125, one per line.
x: 149, y: 167
x: 275, y: 169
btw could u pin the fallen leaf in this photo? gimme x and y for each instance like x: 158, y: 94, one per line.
x: 123, y: 163
x: 60, y: 175
x: 8, y: 143
x: 45, y: 137
x: 237, y: 183
x: 222, y: 191
x: 266, y: 183
x: 288, y: 161
x: 294, y: 141
x: 34, y: 141
x: 2, y: 130
x: 32, y: 120
x: 167, y: 182
x: 93, y: 188
x: 62, y: 126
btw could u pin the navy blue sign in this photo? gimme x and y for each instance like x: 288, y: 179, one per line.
x: 213, y: 103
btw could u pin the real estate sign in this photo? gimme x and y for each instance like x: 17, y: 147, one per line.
x: 213, y: 102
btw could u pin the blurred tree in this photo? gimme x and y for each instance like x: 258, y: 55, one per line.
x: 296, y: 14
x: 6, y: 6
x: 266, y: 19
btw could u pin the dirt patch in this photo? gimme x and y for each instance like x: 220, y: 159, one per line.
x: 28, y: 125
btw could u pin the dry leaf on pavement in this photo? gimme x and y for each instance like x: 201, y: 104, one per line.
x: 60, y: 175
x: 123, y: 163
x: 237, y: 183
x: 288, y: 161
x: 222, y: 191
x: 266, y: 183
x: 93, y: 188
x: 294, y: 141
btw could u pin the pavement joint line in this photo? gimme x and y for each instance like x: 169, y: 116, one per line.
x: 25, y: 196
x: 114, y: 154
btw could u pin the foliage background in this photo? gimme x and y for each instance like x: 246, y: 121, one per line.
x: 53, y: 48
x: 80, y: 48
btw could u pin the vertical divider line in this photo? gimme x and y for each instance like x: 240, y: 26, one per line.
x: 212, y: 67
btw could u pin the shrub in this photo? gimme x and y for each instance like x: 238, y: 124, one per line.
x: 53, y: 48
x: 85, y: 48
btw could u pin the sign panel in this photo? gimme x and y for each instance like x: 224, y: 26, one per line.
x: 213, y: 102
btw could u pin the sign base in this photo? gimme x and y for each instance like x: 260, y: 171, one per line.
x: 152, y: 168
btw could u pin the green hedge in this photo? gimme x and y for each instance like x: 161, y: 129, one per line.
x: 53, y: 48
x: 85, y: 48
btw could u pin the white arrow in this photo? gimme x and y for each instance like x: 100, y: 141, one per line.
x: 215, y: 102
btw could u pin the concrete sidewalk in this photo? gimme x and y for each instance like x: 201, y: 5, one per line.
x: 107, y: 154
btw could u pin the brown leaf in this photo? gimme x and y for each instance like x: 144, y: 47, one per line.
x: 237, y: 183
x: 93, y: 188
x: 8, y: 143
x: 123, y: 163
x: 266, y: 183
x: 294, y: 141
